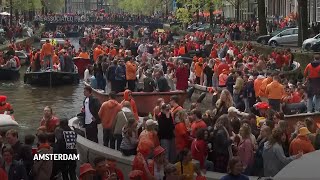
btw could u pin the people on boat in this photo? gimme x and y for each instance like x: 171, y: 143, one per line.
x: 11, y: 63
x: 46, y: 54
x: 91, y: 119
x: 107, y: 114
x: 83, y: 54
x: 127, y: 96
x: 5, y: 107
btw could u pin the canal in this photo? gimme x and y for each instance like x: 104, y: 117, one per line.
x: 28, y: 101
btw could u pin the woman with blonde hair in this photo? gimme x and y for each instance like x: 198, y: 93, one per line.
x: 245, y: 148
x: 223, y: 104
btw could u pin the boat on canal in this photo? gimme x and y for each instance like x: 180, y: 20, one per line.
x: 89, y: 150
x: 9, y: 74
x: 51, y: 78
x: 7, y: 121
x: 82, y: 64
x: 145, y: 101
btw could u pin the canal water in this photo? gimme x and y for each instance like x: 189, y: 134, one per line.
x: 28, y: 101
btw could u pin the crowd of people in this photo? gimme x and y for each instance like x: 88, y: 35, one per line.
x: 243, y: 134
x: 17, y: 154
x: 246, y: 127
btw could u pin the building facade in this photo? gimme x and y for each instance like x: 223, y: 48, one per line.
x: 274, y: 9
x: 80, y: 6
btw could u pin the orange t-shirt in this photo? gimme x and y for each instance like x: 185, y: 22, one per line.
x: 198, y: 69
x: 84, y: 55
x: 197, y: 125
x: 96, y: 53
x: 47, y: 49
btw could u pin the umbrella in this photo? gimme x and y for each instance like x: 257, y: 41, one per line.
x: 307, y: 167
x: 5, y: 14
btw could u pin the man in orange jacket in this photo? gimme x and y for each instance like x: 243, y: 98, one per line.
x: 107, y: 114
x: 131, y: 70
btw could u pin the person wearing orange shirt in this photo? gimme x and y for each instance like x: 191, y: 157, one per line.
x: 107, y: 114
x: 312, y: 75
x: 127, y: 96
x: 55, y: 60
x: 198, y: 68
x: 257, y: 85
x: 46, y: 53
x: 275, y: 92
x: 84, y: 55
x: 96, y: 53
x: 301, y: 143
x: 182, y: 50
x: 265, y: 82
x: 196, y: 121
x: 131, y: 70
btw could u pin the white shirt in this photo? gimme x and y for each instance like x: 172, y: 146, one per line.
x: 88, y: 118
x: 86, y: 76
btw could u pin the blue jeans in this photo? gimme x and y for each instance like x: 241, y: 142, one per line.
x: 208, y: 165
x: 313, y: 103
x: 215, y: 81
x: 46, y: 59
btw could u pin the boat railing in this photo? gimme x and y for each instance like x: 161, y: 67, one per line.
x: 89, y: 150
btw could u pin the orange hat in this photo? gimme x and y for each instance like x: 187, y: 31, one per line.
x: 85, y: 168
x: 3, y: 98
x: 158, y: 150
x: 135, y: 173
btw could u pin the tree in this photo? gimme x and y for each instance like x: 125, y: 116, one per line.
x: 303, y: 21
x: 54, y: 5
x: 262, y: 17
x: 183, y: 15
x: 146, y: 7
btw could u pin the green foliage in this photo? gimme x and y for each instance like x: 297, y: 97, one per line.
x: 183, y: 15
x: 146, y: 7
x: 26, y: 5
x: 54, y: 5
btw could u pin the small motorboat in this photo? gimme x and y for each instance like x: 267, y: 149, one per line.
x: 51, y: 78
x: 82, y: 64
x: 145, y: 101
x: 7, y: 121
x: 9, y: 74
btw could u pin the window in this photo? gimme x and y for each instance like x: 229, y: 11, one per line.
x: 287, y: 32
x: 296, y: 31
